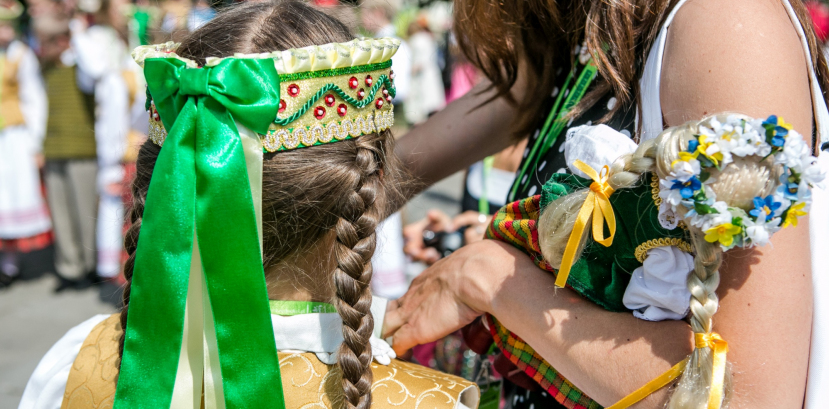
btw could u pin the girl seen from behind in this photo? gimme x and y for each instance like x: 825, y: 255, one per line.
x: 269, y: 130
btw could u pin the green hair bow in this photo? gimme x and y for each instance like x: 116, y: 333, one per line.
x: 200, y: 235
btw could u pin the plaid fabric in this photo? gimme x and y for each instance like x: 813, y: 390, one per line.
x: 515, y: 224
x: 526, y: 359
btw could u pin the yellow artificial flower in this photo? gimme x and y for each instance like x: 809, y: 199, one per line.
x: 685, y: 157
x: 794, y: 212
x: 727, y: 136
x: 783, y: 124
x: 723, y: 233
x: 703, y: 150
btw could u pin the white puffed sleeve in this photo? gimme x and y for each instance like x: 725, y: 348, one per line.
x: 595, y: 145
x: 47, y: 385
x: 657, y: 290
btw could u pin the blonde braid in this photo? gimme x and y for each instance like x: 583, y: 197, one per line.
x: 693, y: 388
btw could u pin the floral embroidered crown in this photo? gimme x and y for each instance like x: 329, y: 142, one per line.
x: 714, y: 147
x: 328, y: 93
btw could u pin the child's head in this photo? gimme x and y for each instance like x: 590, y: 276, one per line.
x: 730, y: 181
x: 320, y: 204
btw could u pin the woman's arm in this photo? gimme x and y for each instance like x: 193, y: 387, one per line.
x: 742, y: 56
x: 745, y: 56
x: 456, y: 137
x: 605, y: 354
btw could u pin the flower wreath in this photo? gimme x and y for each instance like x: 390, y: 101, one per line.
x: 713, y: 148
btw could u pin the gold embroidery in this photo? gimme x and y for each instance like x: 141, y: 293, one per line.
x: 307, y: 382
x: 642, y: 250
x: 655, y: 190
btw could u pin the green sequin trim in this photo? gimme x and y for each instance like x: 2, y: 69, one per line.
x: 334, y: 72
x: 383, y: 80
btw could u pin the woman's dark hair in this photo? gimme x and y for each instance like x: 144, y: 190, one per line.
x: 499, y: 35
x: 307, y: 194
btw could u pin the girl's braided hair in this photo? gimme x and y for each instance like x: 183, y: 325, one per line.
x: 308, y: 194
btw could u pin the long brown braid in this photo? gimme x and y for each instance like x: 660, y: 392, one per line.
x: 308, y: 194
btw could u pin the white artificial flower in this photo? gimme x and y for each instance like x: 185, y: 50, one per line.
x: 784, y: 204
x: 794, y: 152
x: 668, y: 195
x: 804, y: 193
x: 760, y: 231
x: 667, y: 217
x: 746, y: 144
x: 683, y: 171
x: 706, y: 222
x: 812, y: 174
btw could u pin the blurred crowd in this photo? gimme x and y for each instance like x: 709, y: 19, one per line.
x: 73, y: 117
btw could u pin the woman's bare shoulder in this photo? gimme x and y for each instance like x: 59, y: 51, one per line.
x: 736, y: 55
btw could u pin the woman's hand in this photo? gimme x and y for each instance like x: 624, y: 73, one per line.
x: 450, y: 294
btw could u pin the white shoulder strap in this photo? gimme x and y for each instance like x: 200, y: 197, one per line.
x: 651, y: 120
x: 818, y: 102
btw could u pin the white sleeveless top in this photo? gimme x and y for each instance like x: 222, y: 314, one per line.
x: 651, y: 125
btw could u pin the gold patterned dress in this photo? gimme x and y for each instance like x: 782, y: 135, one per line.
x: 307, y: 381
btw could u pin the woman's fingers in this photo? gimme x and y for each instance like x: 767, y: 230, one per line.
x: 394, y: 318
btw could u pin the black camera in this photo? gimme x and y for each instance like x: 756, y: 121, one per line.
x: 444, y: 242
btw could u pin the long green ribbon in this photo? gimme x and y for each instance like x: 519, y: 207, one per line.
x: 200, y: 184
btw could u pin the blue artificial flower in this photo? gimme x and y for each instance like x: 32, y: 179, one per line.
x: 764, y: 207
x: 780, y: 129
x: 692, y: 145
x: 787, y: 189
x: 687, y: 189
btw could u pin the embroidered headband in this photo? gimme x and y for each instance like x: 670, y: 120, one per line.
x: 329, y: 93
x: 198, y: 290
x: 714, y: 147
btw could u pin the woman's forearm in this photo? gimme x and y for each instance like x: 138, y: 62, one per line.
x: 456, y: 137
x: 606, y: 354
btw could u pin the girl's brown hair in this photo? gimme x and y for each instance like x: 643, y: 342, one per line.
x: 498, y: 36
x: 308, y: 194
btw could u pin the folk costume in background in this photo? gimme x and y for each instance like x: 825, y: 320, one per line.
x: 84, y: 144
x: 100, y: 54
x: 24, y: 218
x: 218, y: 340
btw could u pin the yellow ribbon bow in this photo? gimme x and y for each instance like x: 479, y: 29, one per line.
x: 719, y: 348
x: 597, y: 203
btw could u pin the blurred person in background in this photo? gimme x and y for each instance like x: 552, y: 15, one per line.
x: 389, y: 262
x: 84, y: 143
x: 428, y: 95
x: 377, y: 17
x: 24, y: 218
x: 200, y: 15
x: 143, y: 19
x: 101, y: 53
x: 182, y: 17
